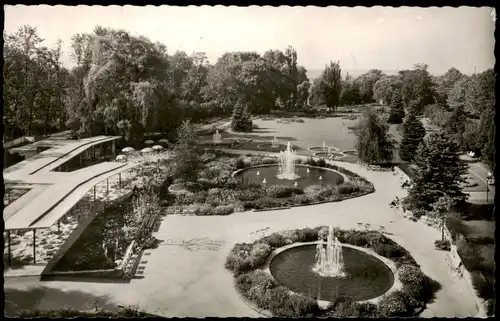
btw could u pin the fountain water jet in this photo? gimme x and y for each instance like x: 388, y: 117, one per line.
x: 330, y: 261
x: 287, y: 163
x: 217, y: 137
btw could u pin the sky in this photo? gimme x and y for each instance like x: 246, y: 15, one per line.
x: 360, y: 38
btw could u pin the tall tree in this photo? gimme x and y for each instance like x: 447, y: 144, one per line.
x: 445, y: 83
x: 331, y: 84
x: 374, y: 144
x: 413, y: 136
x: 186, y: 153
x: 397, y: 111
x: 384, y: 87
x: 417, y: 87
x: 366, y: 83
x: 456, y: 125
x: 439, y: 171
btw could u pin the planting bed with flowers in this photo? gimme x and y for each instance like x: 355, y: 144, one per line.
x: 247, y: 260
x: 219, y: 193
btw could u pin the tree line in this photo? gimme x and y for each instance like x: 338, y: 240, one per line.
x: 127, y: 85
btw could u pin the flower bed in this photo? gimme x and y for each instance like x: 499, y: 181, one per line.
x: 222, y: 194
x: 104, y: 242
x: 246, y: 261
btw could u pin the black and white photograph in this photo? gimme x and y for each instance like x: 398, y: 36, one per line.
x: 249, y: 162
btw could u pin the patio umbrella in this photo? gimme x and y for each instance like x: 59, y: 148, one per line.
x: 147, y: 150
x: 149, y: 142
x: 163, y: 141
x: 121, y: 158
x: 128, y: 149
x: 157, y: 147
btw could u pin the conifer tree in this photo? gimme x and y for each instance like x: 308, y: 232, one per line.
x: 413, y: 135
x: 374, y: 144
x: 439, y: 172
x: 397, y: 111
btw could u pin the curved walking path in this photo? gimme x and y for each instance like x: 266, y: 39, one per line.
x: 185, y: 275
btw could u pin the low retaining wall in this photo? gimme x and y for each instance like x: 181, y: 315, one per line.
x: 466, y: 275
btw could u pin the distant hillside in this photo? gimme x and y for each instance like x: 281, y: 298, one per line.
x: 315, y: 73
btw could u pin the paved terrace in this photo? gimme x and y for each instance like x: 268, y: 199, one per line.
x: 51, y: 192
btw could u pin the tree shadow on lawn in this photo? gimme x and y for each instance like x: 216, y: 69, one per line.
x: 44, y: 298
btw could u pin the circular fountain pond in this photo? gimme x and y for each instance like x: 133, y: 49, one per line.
x: 366, y: 278
x: 327, y: 154
x: 269, y: 146
x: 304, y: 179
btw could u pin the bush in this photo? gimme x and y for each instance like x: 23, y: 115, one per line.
x: 282, y: 191
x: 302, y: 199
x: 442, y: 245
x: 394, y: 304
x: 269, y: 160
x: 240, y: 163
x: 223, y: 210
x: 321, y: 162
x: 259, y: 254
x: 311, y: 161
x: 204, y: 209
x: 348, y: 188
x: 275, y: 240
x: 266, y: 202
x: 483, y: 287
x: 307, y: 235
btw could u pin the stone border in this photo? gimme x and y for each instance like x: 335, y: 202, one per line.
x: 335, y: 154
x: 270, y: 145
x: 323, y: 303
x: 332, y: 147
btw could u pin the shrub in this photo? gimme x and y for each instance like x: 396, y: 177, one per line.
x: 277, y: 300
x: 279, y: 191
x: 348, y: 188
x: 269, y: 160
x: 302, y: 199
x: 266, y: 202
x: 442, y: 245
x: 484, y: 289
x: 275, y: 240
x: 204, y: 209
x: 240, y: 163
x: 390, y: 251
x: 259, y: 254
x: 394, y: 304
x: 321, y: 162
x: 311, y: 161
x: 307, y: 235
x: 223, y: 210
x: 299, y: 305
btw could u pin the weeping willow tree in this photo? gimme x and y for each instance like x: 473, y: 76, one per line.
x: 124, y: 86
x: 374, y: 144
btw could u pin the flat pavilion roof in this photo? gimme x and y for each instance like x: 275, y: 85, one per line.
x: 53, y: 194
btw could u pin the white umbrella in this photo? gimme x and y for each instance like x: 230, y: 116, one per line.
x: 157, y: 147
x: 128, y: 149
x: 163, y: 141
x: 147, y: 150
x: 121, y: 158
x: 149, y: 142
